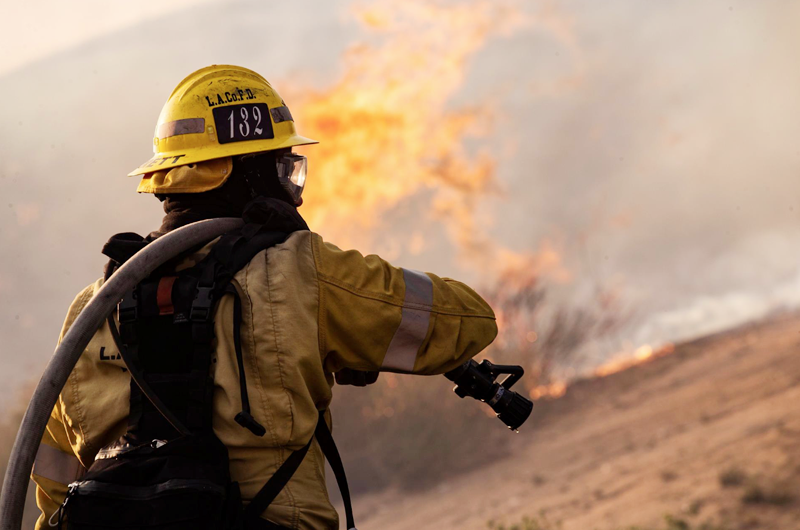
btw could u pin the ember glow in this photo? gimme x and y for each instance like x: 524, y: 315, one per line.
x: 640, y: 355
x: 551, y: 391
x: 618, y: 363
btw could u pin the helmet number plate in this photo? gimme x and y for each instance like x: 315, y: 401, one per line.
x: 237, y: 123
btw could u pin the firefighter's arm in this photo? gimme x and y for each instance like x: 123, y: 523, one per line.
x: 374, y: 316
x: 55, y: 467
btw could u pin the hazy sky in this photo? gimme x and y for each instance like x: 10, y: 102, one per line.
x: 34, y: 29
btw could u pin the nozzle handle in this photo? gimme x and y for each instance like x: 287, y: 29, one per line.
x: 478, y: 381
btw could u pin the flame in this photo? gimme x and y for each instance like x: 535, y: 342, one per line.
x: 552, y: 391
x: 393, y: 143
x: 641, y: 355
x: 386, y: 132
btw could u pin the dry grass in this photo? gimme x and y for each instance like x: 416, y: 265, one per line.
x: 731, y: 477
x: 758, y: 490
x: 776, y: 494
x: 542, y: 523
x: 676, y: 523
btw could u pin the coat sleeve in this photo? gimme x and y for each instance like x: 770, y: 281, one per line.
x: 56, y: 465
x: 374, y: 316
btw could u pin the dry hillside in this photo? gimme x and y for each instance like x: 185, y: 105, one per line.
x: 709, y: 435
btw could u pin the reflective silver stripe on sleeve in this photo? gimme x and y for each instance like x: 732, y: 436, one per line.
x: 402, y: 352
x: 56, y: 465
x: 178, y: 127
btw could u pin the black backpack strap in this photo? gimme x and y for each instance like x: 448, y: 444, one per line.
x: 198, y: 413
x: 278, y: 481
x: 128, y: 313
x: 328, y: 446
x: 274, y: 485
x: 231, y: 254
x: 244, y: 418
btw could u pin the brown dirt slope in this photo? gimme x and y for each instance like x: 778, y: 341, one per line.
x: 709, y: 434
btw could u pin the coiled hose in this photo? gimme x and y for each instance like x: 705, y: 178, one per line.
x: 15, y: 485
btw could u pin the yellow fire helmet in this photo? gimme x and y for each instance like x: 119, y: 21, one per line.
x: 217, y: 112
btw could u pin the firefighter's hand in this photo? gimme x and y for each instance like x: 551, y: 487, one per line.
x: 346, y: 376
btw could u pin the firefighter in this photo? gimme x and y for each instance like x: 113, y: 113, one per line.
x: 310, y: 313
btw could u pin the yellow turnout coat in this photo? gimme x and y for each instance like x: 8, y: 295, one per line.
x: 308, y: 309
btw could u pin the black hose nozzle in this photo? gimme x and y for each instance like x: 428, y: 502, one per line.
x: 479, y: 382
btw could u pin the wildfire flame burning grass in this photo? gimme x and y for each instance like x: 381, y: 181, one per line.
x: 552, y: 391
x: 623, y: 361
x: 642, y: 354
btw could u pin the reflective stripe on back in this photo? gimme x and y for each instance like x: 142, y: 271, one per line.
x: 56, y: 465
x: 410, y: 334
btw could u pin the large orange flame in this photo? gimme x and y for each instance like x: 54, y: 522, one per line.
x: 391, y: 137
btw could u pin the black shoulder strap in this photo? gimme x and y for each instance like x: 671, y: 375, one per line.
x: 328, y: 446
x: 278, y: 481
x: 243, y: 418
x: 274, y: 485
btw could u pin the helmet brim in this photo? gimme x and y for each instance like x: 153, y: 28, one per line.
x: 171, y: 159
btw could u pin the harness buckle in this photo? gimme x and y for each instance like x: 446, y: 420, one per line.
x: 201, y: 306
x: 128, y: 308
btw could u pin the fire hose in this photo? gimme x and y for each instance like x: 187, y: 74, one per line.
x: 15, y: 485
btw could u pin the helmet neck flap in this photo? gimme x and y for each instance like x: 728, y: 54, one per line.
x: 253, y: 177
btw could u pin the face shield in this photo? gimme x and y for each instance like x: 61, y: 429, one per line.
x: 292, y: 170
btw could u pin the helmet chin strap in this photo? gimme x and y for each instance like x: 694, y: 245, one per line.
x: 253, y: 192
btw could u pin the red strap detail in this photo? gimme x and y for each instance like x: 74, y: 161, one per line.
x: 164, y: 295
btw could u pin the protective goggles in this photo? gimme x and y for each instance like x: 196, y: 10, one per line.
x: 292, y: 170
